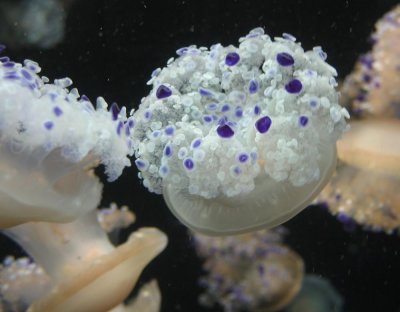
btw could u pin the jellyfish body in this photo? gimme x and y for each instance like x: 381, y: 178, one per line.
x: 239, y: 138
x: 249, y: 272
x: 317, y: 294
x: 372, y: 88
x: 50, y: 139
x: 80, y: 265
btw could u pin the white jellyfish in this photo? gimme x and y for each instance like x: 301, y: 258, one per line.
x: 50, y: 139
x: 76, y: 266
x: 239, y: 138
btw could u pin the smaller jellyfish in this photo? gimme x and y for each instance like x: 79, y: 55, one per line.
x: 239, y: 138
x: 372, y: 88
x: 249, y: 272
x: 365, y: 186
x: 316, y: 295
x: 80, y: 261
x: 22, y: 282
x: 50, y: 140
x: 33, y: 23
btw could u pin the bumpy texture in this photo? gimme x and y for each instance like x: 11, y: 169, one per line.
x: 216, y: 118
x: 37, y: 118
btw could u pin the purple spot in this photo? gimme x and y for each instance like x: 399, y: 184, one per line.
x: 196, y: 143
x: 366, y: 78
x: 263, y: 124
x: 140, y: 164
x: 232, y: 59
x: 164, y: 170
x: 225, y: 108
x: 131, y: 123
x: 52, y: 96
x: 169, y: 130
x: 239, y: 112
x: 224, y: 131
x: 9, y: 64
x: 4, y: 59
x: 127, y: 130
x: 207, y: 119
x: 11, y: 76
x: 253, y: 86
x: 163, y: 92
x: 26, y: 74
x: 155, y: 72
x: 284, y: 59
x: 294, y: 86
x: 168, y: 151
x: 342, y: 217
x: 2, y: 48
x: 182, y: 51
x: 48, y: 125
x: 84, y: 98
x: 114, y: 111
x: 303, y: 121
x: 323, y: 55
x: 212, y: 106
x: 205, y: 92
x: 243, y: 157
x: 361, y: 97
x: 348, y: 222
x: 57, y: 111
x: 313, y: 103
x: 147, y: 115
x: 257, y: 110
x: 155, y: 134
x: 367, y: 61
x: 120, y: 126
x: 237, y: 170
x: 288, y: 37
x: 188, y: 163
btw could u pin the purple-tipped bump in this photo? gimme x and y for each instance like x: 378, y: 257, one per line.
x: 284, y: 59
x: 163, y: 92
x: 294, y: 86
x: 263, y: 124
x: 224, y: 131
x: 232, y: 59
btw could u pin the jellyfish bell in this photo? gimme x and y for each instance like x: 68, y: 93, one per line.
x: 249, y: 211
x: 371, y: 145
x: 365, y: 186
x: 239, y: 138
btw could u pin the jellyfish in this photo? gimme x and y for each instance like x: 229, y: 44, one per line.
x: 33, y: 23
x: 75, y: 266
x: 365, y: 185
x: 239, y: 138
x: 372, y: 88
x: 249, y: 272
x: 50, y: 140
x: 317, y: 294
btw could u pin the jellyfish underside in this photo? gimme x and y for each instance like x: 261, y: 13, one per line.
x: 35, y: 184
x: 270, y: 203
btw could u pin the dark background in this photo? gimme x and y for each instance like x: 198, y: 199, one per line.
x: 110, y: 49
